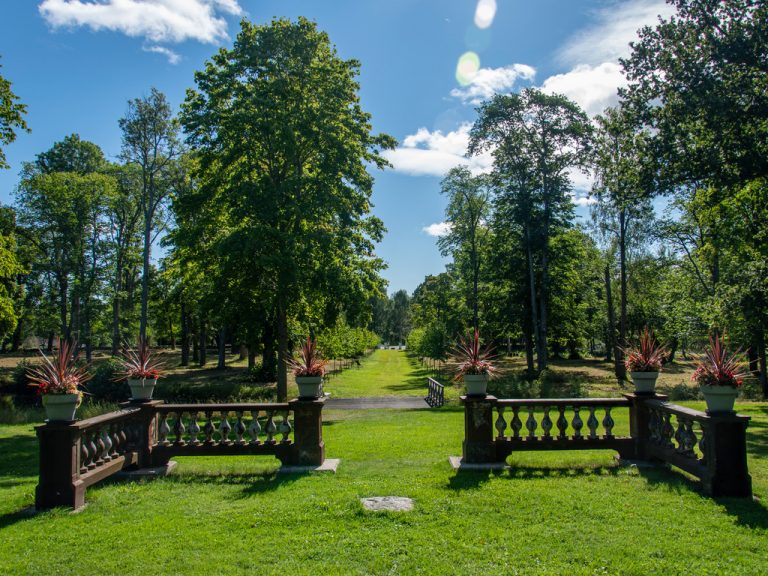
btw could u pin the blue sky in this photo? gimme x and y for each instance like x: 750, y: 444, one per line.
x: 75, y: 63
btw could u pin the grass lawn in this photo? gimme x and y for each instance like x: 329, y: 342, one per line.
x: 553, y: 513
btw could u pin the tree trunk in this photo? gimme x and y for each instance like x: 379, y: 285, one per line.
x: 610, y: 341
x: 760, y: 345
x: 251, y: 358
x: 145, y: 275
x: 203, y: 342
x: 534, y: 334
x: 49, y: 345
x: 282, y: 353
x: 529, y: 351
x: 184, y: 336
x: 621, y: 371
x: 674, y: 343
x: 222, y: 361
x: 16, y: 338
x: 243, y: 352
x: 268, y: 352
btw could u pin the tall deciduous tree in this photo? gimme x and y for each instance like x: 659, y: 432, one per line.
x: 11, y: 117
x: 284, y: 147
x: 467, y: 213
x: 623, y: 212
x: 150, y: 140
x: 535, y: 139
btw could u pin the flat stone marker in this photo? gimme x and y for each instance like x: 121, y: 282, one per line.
x: 329, y: 465
x: 387, y: 504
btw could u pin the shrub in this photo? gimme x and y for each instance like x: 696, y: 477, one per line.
x: 105, y: 385
x: 24, y: 392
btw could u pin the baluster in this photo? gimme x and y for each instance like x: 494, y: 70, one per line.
x: 209, y: 428
x: 99, y: 447
x: 179, y: 429
x: 117, y: 446
x: 689, y: 438
x: 562, y: 423
x: 107, y: 441
x: 285, y: 428
x: 239, y: 428
x: 85, y: 455
x: 501, y: 423
x: 530, y: 424
x: 577, y: 423
x: 194, y: 429
x: 517, y: 424
x: 703, y: 446
x: 164, y: 430
x: 93, y: 450
x: 680, y: 436
x: 608, y: 423
x: 592, y: 422
x: 224, y: 428
x: 271, y: 428
x: 546, y: 423
x: 667, y: 431
x: 123, y: 433
x: 255, y: 428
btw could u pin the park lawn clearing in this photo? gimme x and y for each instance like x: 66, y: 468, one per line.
x: 552, y: 513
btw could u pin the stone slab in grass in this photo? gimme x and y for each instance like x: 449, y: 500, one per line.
x: 329, y: 465
x: 457, y: 463
x: 387, y: 504
x: 154, y: 472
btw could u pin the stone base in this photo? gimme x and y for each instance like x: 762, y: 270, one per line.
x: 629, y: 463
x: 458, y: 464
x: 387, y: 504
x: 329, y: 465
x: 154, y: 472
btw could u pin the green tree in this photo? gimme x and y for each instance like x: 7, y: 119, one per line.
x: 151, y: 141
x: 467, y: 213
x: 535, y: 139
x: 284, y: 147
x: 11, y: 117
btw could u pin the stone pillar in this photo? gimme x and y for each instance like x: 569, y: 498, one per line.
x: 478, y: 447
x: 726, y: 456
x: 309, y: 448
x: 639, y: 420
x: 59, y: 482
x: 146, y: 422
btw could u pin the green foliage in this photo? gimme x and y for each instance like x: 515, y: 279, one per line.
x: 107, y: 383
x: 343, y: 341
x: 11, y: 117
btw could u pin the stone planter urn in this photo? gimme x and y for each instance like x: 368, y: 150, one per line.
x: 645, y: 382
x: 142, y: 388
x: 309, y: 386
x: 476, y: 384
x: 720, y: 399
x: 61, y: 407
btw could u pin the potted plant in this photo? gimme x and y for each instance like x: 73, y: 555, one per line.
x: 719, y: 375
x: 475, y: 366
x: 58, y: 380
x: 309, y: 369
x: 644, y: 362
x: 141, y: 370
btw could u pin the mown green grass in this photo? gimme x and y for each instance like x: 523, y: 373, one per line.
x: 557, y: 513
x: 385, y: 373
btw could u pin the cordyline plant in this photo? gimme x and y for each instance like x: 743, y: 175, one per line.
x: 309, y: 362
x: 59, y: 374
x: 718, y: 367
x: 473, y: 360
x: 648, y: 356
x: 139, y: 364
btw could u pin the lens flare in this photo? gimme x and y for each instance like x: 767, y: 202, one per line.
x: 485, y: 13
x: 467, y: 67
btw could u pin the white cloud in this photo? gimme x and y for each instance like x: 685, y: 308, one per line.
x: 428, y: 153
x: 154, y: 20
x: 616, y: 26
x: 438, y: 229
x: 489, y: 81
x: 173, y: 58
x: 594, y: 88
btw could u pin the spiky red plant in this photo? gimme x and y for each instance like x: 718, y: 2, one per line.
x: 139, y: 363
x: 473, y: 359
x: 59, y: 374
x: 309, y: 362
x: 648, y: 356
x: 718, y: 367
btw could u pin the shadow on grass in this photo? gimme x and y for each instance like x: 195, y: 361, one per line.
x: 18, y: 456
x: 469, y: 479
x: 252, y: 484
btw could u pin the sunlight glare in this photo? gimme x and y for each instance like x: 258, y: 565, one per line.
x: 485, y: 13
x: 467, y: 67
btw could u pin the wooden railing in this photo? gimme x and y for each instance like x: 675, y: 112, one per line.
x: 75, y: 455
x: 711, y: 447
x: 435, y: 393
